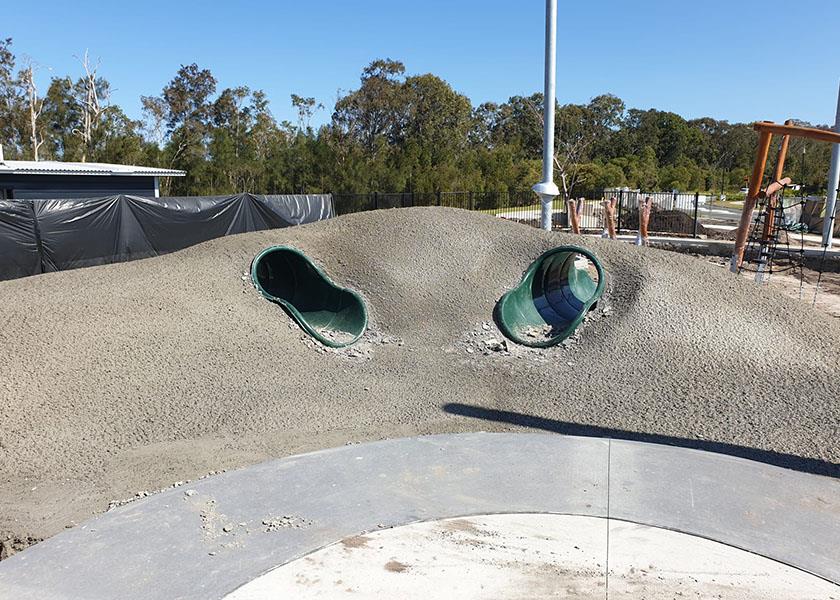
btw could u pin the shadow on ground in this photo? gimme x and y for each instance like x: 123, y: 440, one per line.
x: 779, y: 459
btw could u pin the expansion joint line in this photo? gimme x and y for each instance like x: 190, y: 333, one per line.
x: 607, y: 562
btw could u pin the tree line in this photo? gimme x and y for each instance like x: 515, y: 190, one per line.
x: 396, y: 132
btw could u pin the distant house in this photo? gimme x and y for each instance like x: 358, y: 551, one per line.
x: 23, y: 179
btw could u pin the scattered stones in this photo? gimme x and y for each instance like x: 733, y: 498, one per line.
x: 210, y: 520
x: 361, y: 350
x: 476, y: 341
x: 11, y: 545
x: 494, y: 345
x: 487, y: 340
x: 286, y: 521
x: 139, y: 495
x: 339, y: 337
x: 540, y: 333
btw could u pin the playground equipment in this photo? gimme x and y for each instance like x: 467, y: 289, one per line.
x: 333, y: 315
x: 574, y: 209
x: 556, y: 292
x: 609, y: 218
x: 645, y: 207
x: 766, y: 131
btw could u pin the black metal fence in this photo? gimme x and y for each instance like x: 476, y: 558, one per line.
x: 672, y: 213
x: 489, y: 201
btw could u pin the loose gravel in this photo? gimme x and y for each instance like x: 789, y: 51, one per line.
x: 129, y: 377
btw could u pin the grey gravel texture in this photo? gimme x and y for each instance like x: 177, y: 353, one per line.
x: 129, y: 377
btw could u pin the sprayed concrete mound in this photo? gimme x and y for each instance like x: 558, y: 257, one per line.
x: 132, y: 377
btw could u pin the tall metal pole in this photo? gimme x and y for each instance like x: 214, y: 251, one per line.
x: 833, y: 182
x: 547, y: 189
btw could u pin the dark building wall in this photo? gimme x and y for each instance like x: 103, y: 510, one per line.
x: 75, y: 186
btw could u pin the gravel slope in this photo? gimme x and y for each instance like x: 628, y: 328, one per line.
x: 130, y: 377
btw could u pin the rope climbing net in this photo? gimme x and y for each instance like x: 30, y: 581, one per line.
x: 780, y: 247
x: 769, y: 249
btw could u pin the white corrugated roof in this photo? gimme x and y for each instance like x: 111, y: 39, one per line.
x: 51, y: 167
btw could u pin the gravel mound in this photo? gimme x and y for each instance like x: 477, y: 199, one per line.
x: 129, y: 377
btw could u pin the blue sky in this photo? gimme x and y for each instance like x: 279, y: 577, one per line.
x: 709, y: 58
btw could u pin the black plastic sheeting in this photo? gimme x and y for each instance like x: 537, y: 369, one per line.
x: 40, y: 236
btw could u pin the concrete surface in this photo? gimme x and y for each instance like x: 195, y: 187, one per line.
x: 511, y: 557
x: 207, y: 539
x: 131, y: 377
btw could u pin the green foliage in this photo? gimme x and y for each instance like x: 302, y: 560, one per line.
x: 395, y: 132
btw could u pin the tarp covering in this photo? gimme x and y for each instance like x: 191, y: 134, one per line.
x: 38, y: 236
x: 19, y: 254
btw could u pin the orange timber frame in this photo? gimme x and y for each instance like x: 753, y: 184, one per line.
x: 766, y: 130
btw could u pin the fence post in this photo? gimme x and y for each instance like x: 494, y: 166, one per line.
x: 375, y: 201
x: 620, y: 207
x: 696, y: 203
x: 438, y: 197
x: 472, y: 203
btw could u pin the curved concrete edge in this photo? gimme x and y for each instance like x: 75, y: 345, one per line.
x: 781, y: 514
x: 209, y: 538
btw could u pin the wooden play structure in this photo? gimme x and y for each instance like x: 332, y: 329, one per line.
x: 609, y: 217
x: 574, y: 209
x: 645, y: 207
x: 766, y: 131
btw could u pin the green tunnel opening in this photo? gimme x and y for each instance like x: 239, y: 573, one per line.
x: 333, y: 315
x: 556, y: 292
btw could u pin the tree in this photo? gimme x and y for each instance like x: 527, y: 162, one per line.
x: 370, y: 115
x: 11, y: 103
x: 435, y: 124
x: 34, y: 106
x: 154, y: 119
x: 184, y: 109
x: 62, y: 116
x: 306, y: 108
x: 395, y: 132
x: 92, y: 91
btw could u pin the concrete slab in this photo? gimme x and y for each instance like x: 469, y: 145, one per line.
x: 490, y: 556
x: 212, y: 537
x: 507, y: 557
x: 658, y: 564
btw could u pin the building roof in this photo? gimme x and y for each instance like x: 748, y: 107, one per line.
x: 51, y: 167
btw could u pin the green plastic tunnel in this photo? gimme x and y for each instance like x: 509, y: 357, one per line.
x: 333, y: 315
x: 556, y: 292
